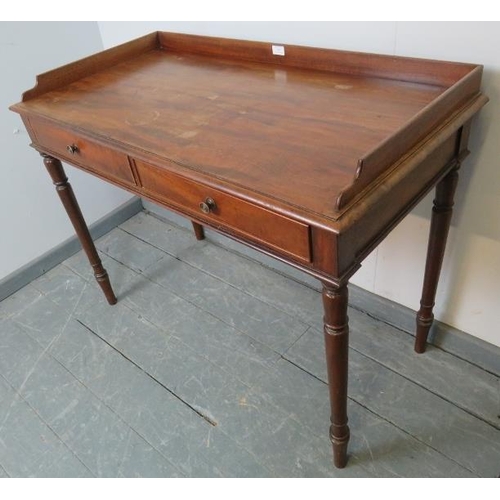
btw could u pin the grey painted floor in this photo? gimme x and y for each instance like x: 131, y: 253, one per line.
x: 212, y: 365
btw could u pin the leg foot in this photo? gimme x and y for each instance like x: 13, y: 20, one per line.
x: 65, y: 192
x: 336, y: 331
x: 101, y: 276
x: 198, y: 231
x: 339, y: 446
x: 440, y: 225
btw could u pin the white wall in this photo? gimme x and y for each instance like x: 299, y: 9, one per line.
x: 469, y: 292
x: 32, y: 219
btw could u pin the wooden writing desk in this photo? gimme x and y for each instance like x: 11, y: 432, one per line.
x: 309, y: 155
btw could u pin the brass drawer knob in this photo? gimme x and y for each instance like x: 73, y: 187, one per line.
x: 72, y: 149
x: 208, y: 205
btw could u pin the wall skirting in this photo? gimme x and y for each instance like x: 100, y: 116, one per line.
x: 52, y: 258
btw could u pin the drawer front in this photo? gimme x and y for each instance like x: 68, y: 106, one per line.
x: 101, y: 160
x: 240, y: 217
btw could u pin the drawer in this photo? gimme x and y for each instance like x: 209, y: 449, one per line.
x: 75, y: 149
x: 229, y: 213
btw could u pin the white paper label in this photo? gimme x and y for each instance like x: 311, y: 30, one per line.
x: 278, y: 50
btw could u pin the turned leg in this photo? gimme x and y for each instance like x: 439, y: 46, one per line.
x: 336, y: 345
x: 65, y: 192
x: 440, y: 225
x: 198, y: 231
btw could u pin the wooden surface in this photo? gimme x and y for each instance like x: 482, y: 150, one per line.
x: 256, y: 121
x: 430, y: 415
x: 275, y: 230
x: 312, y: 135
x: 252, y: 124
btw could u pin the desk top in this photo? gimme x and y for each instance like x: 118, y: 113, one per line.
x: 312, y: 128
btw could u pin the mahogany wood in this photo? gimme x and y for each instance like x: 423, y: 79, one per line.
x: 440, y: 225
x: 86, y: 153
x: 311, y: 157
x: 198, y: 231
x: 275, y: 230
x: 336, y: 329
x: 90, y: 65
x: 67, y: 196
x: 254, y: 122
x: 311, y: 58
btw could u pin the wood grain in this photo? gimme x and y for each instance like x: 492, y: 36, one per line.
x: 259, y: 224
x: 86, y: 153
x: 90, y: 65
x: 337, y: 61
x: 246, y: 123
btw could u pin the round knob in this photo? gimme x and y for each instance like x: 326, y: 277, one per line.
x: 208, y: 205
x: 72, y: 149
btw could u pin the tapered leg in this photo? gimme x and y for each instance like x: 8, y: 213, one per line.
x: 198, y: 231
x: 65, y: 192
x: 336, y: 330
x: 440, y: 225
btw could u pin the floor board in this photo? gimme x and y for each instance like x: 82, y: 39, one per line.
x: 466, y: 385
x: 28, y: 446
x: 212, y: 365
